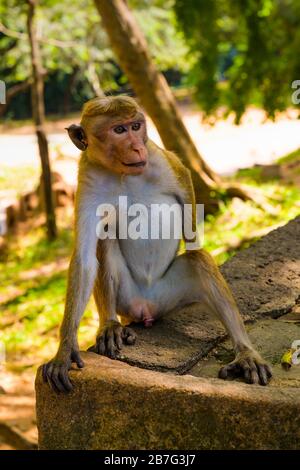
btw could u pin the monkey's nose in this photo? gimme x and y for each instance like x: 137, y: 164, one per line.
x: 140, y: 151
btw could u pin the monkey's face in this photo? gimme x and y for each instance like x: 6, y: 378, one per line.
x: 117, y: 143
x: 121, y: 144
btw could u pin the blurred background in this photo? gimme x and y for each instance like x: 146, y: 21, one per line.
x: 227, y: 72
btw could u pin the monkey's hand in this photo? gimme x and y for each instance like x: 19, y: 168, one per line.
x: 110, y: 339
x: 249, y: 365
x: 56, y: 374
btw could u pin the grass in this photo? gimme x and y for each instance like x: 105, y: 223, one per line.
x: 33, y: 272
x: 237, y: 219
x: 18, y: 180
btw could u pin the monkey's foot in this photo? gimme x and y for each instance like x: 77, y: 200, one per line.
x: 111, y: 338
x: 55, y: 372
x: 249, y: 365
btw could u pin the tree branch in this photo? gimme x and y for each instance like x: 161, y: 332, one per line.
x: 51, y: 42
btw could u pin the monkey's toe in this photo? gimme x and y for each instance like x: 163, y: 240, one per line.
x: 128, y: 335
x: 111, y: 338
x: 251, y: 368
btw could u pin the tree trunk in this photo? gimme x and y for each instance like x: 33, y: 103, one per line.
x: 38, y: 111
x: 94, y: 80
x: 151, y: 87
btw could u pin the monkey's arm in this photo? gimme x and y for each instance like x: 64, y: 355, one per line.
x: 81, y: 278
x: 186, y: 196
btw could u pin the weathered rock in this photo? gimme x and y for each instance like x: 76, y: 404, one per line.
x: 265, y: 278
x: 117, y: 406
x: 175, y: 342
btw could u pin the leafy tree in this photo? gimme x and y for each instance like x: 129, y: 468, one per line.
x: 252, y: 44
x: 75, y: 51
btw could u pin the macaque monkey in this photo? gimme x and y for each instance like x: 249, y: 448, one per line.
x: 135, y: 280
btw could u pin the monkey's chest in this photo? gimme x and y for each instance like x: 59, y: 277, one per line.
x: 149, y: 235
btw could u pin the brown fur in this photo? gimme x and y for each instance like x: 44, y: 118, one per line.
x: 118, y: 279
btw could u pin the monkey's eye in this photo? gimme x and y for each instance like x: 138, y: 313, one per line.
x: 119, y: 129
x: 136, y: 126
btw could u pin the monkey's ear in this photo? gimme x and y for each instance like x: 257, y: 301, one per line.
x: 77, y: 135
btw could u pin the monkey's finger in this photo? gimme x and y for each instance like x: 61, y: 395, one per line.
x: 226, y: 371
x: 230, y: 370
x: 262, y: 374
x: 118, y: 338
x: 269, y: 371
x: 64, y: 378
x: 56, y: 381
x: 44, y: 372
x: 111, y: 345
x: 254, y: 377
x: 129, y: 335
x: 75, y: 356
x: 246, y: 371
x: 223, y: 373
x: 254, y: 372
x: 53, y: 386
x: 49, y: 378
x: 101, y: 345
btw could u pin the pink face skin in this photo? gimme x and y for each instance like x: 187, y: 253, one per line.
x: 122, y: 145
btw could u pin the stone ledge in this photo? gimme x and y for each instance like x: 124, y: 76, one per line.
x: 117, y: 406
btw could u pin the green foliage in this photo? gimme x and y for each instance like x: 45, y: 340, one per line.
x: 157, y: 20
x: 252, y: 44
x: 290, y: 158
x: 75, y: 50
x: 237, y: 221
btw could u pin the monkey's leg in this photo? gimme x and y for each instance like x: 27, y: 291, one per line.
x: 113, y: 281
x: 201, y: 280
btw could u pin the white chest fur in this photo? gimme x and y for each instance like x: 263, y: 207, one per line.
x: 151, y: 200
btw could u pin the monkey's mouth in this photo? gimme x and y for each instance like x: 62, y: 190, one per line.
x: 135, y: 165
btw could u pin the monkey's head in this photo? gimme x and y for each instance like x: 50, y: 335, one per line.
x: 113, y: 133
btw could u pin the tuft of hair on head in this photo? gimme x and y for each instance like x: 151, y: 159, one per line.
x: 121, y: 105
